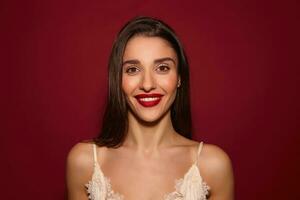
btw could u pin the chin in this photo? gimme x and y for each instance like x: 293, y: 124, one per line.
x: 150, y: 118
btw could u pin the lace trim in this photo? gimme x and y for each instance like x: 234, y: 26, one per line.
x: 177, y: 195
x: 94, y: 187
x: 206, y: 189
x: 111, y: 195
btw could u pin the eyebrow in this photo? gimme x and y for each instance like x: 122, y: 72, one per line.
x: 159, y: 60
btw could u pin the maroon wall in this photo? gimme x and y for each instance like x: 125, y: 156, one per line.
x: 244, y: 58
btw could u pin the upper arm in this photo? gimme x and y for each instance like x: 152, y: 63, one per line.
x: 78, y: 171
x: 218, y: 173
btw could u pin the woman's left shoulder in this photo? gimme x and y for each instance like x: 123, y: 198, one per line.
x: 216, y: 169
x: 214, y: 155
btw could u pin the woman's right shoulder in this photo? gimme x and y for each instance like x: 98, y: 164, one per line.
x: 81, y: 155
x: 79, y: 169
x: 80, y: 159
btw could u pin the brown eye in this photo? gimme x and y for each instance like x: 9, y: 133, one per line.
x: 132, y: 70
x: 163, y: 68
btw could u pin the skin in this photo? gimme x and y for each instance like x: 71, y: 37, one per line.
x: 153, y: 155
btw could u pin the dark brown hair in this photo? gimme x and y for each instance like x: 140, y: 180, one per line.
x: 115, y: 122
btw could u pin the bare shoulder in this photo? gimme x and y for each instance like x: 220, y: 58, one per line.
x: 216, y: 169
x: 216, y: 157
x: 79, y: 169
x: 80, y: 156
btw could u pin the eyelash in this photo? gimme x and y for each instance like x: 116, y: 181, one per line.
x: 164, y: 66
x: 132, y: 67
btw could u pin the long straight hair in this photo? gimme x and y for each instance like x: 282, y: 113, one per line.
x: 115, y: 120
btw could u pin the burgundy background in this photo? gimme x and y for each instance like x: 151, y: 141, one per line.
x: 244, y: 58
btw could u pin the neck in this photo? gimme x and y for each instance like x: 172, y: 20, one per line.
x: 149, y: 136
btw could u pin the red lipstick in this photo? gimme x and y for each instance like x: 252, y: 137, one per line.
x: 148, y: 100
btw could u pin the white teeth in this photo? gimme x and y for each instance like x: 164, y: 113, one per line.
x: 149, y: 99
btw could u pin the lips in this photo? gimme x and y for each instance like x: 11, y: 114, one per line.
x: 148, y: 100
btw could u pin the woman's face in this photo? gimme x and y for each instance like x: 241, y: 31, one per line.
x: 149, y: 77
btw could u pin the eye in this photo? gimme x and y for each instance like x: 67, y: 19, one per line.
x: 132, y: 70
x: 163, y: 68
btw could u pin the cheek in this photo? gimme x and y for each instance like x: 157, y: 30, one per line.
x: 129, y: 84
x: 169, y: 83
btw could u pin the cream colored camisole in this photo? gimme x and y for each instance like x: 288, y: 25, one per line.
x: 189, y: 187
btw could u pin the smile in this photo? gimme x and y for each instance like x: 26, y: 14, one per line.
x: 149, y: 100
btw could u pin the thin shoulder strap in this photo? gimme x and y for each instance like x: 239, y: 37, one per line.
x: 198, y: 152
x: 95, y: 153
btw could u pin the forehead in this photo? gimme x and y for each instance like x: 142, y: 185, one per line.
x: 144, y: 47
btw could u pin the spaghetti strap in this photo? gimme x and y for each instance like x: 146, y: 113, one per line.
x: 95, y: 154
x: 199, y: 151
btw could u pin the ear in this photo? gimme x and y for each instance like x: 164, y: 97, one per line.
x: 179, y: 82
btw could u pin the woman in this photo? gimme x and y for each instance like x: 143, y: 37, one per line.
x: 145, y: 150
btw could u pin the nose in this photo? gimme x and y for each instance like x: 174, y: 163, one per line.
x: 147, y: 82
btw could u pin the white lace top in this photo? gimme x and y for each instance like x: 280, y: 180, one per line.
x: 189, y: 187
